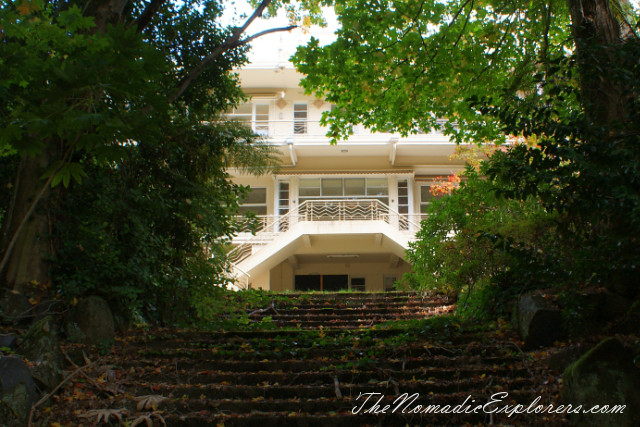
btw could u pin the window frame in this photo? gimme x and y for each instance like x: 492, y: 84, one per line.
x: 246, y: 207
x: 260, y: 127
x: 300, y: 124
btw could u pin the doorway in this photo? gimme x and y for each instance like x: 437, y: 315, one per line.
x: 321, y: 282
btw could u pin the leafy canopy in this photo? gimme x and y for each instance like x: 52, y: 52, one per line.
x: 407, y: 64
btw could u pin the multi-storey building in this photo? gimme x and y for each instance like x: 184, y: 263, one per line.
x: 334, y: 216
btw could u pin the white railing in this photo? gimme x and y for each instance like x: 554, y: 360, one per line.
x: 324, y: 210
x: 310, y: 128
x: 258, y: 223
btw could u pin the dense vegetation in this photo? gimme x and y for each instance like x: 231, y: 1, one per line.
x: 113, y: 157
x: 557, y: 206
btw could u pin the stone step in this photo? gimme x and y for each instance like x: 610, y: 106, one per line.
x: 287, y: 376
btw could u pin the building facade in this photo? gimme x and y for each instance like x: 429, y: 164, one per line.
x: 334, y: 216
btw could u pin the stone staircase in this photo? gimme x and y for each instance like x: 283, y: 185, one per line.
x: 323, y: 352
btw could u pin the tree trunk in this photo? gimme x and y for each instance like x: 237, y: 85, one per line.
x: 27, y: 259
x: 598, y: 35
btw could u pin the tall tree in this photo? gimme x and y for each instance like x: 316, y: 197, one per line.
x: 94, y: 83
x: 408, y: 64
x: 561, y: 75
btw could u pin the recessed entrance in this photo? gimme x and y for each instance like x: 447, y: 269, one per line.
x: 321, y: 282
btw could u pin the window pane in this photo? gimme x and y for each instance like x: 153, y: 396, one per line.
x: 377, y: 191
x: 300, y: 111
x: 255, y: 195
x: 310, y: 192
x: 299, y: 118
x: 377, y: 182
x: 258, y: 210
x: 425, y: 193
x: 354, y: 187
x: 310, y: 187
x: 309, y: 183
x: 262, y: 111
x: 332, y: 187
x: 243, y: 109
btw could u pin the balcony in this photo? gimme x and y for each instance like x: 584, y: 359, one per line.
x: 341, y: 212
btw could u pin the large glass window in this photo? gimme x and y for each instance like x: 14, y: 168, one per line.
x: 255, y: 201
x: 332, y: 187
x: 354, y: 187
x: 344, y: 188
x: 310, y: 187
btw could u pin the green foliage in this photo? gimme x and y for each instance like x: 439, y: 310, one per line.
x: 220, y: 308
x: 585, y: 172
x: 407, y: 64
x: 146, y: 205
x: 462, y: 245
x: 560, y: 212
x: 147, y: 235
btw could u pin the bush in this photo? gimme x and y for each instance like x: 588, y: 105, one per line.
x: 471, y: 241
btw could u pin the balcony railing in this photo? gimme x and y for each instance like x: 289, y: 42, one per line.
x: 311, y: 128
x: 324, y: 210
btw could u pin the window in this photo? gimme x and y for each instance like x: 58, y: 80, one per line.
x: 256, y: 116
x: 332, y: 187
x: 377, y: 187
x: 354, y: 187
x: 255, y: 201
x: 299, y: 118
x: 344, y: 188
x: 310, y: 187
x: 403, y: 196
x: 358, y: 284
x: 426, y: 197
x: 261, y: 119
x: 283, y: 205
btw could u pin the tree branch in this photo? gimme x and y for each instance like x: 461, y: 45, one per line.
x: 263, y: 33
x: 147, y: 14
x: 230, y: 43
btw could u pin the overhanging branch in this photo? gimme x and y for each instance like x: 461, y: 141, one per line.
x: 231, y: 43
x: 147, y: 14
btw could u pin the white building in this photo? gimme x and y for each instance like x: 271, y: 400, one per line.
x: 335, y: 216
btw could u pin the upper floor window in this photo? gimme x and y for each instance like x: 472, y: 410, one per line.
x: 256, y: 116
x: 299, y: 118
x: 255, y: 201
x: 426, y: 197
x: 350, y: 188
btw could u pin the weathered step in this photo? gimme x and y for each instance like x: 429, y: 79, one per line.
x: 358, y: 314
x: 420, y: 366
x: 379, y: 303
x: 366, y: 309
x: 435, y: 355
x: 335, y: 346
x: 151, y: 375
